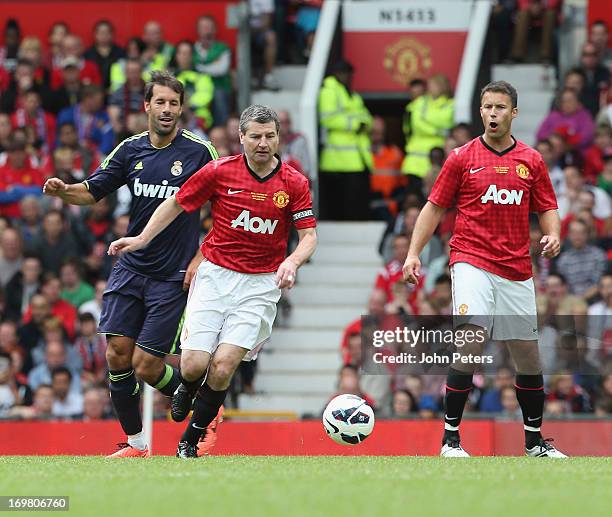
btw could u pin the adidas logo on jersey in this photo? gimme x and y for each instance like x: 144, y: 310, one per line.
x: 139, y: 166
x: 162, y: 191
x: 502, y: 196
x: 254, y: 224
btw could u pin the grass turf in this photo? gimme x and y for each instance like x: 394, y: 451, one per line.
x: 313, y: 486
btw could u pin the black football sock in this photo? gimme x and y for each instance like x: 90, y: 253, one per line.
x: 205, y: 409
x: 168, y: 381
x: 458, y: 386
x: 192, y: 386
x: 530, y: 395
x: 125, y: 396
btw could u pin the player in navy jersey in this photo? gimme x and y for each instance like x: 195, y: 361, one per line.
x: 232, y: 303
x: 146, y: 295
x: 494, y: 181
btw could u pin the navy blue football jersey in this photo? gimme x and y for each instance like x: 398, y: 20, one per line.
x: 153, y: 175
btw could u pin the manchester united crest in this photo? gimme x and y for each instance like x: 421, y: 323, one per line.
x: 463, y: 308
x: 406, y: 59
x: 522, y: 171
x: 280, y: 199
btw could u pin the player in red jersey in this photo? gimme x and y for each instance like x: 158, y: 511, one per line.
x: 232, y: 304
x: 494, y: 181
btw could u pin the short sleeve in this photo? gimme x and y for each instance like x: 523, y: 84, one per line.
x: 446, y: 186
x: 542, y: 196
x: 302, y: 215
x: 110, y: 175
x: 198, y: 189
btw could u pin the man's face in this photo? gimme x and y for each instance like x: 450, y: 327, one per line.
x: 152, y: 34
x: 103, y: 35
x: 588, y: 57
x: 5, y: 126
x: 52, y: 290
x: 8, y: 336
x: 69, y: 276
x: 71, y: 46
x: 546, y: 151
x: 401, y: 404
x: 41, y: 308
x: 555, y: 289
x: 206, y: 30
x: 497, y: 114
x: 376, y: 303
x: 93, y: 405
x: 31, y: 102
x: 377, y: 134
x: 53, y: 225
x: 577, y: 235
x: 133, y: 73
x: 569, y: 102
x: 573, y: 178
x: 599, y: 36
x: 60, y: 385
x: 400, y: 248
x: 31, y: 270
x: 606, y: 288
x: 68, y: 136
x: 10, y: 244
x: 43, y: 400
x: 260, y: 142
x: 55, y: 356
x: 503, y: 379
x: 71, y: 75
x: 163, y: 110
x: 285, y: 123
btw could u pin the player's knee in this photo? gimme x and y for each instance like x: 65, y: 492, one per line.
x: 147, y: 367
x: 118, y: 355
x: 221, y: 371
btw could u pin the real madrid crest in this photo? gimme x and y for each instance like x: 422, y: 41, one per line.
x: 406, y: 59
x: 177, y: 168
x: 522, y: 171
x: 280, y: 199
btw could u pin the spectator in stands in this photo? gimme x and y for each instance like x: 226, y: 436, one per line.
x: 85, y: 159
x: 55, y: 356
x: 29, y: 224
x: 500, y: 27
x: 30, y: 49
x: 54, y: 245
x: 74, y: 290
x: 582, y: 208
x: 157, y: 53
x: 542, y: 13
x: 600, y: 322
x: 11, y: 255
x: 94, y: 307
x: 92, y: 348
x: 263, y: 39
x: 603, y: 404
x: 510, y: 405
x: 21, y: 82
x: 32, y: 116
x: 56, y: 35
x: 22, y: 286
x: 403, y: 405
x: 571, y: 120
x: 570, y: 193
x: 91, y: 120
x: 346, y: 157
x: 597, y: 78
x: 31, y: 332
x: 40, y: 409
x: 8, y: 52
x: 440, y: 298
x: 593, y: 156
x: 604, y: 180
x: 581, y: 264
x: 563, y: 388
x: 599, y: 36
x: 128, y: 98
x: 133, y: 50
x: 219, y: 139
x: 427, y: 121
x: 349, y: 383
x: 213, y: 58
x: 307, y: 19
x: 232, y: 131
x: 94, y: 404
x: 72, y: 51
x: 294, y: 147
x: 67, y: 95
x: 8, y: 388
x: 104, y: 52
x: 199, y: 87
x: 5, y: 131
x: 491, y: 400
x: 64, y: 311
x: 66, y: 402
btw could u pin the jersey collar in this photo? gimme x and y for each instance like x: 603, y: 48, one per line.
x: 267, y: 176
x: 498, y: 153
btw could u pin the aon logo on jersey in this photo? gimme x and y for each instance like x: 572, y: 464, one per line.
x: 151, y: 190
x: 502, y: 196
x: 254, y: 224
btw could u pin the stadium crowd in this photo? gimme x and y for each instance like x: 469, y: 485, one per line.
x: 63, y: 108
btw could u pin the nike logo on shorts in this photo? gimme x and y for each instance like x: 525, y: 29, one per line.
x: 230, y: 191
x: 474, y: 171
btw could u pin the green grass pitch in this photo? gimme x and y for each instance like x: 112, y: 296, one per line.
x: 312, y: 486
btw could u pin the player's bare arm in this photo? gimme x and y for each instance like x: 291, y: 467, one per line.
x: 285, y: 275
x: 165, y: 213
x: 76, y: 194
x: 426, y: 224
x: 192, y: 268
x: 551, y: 228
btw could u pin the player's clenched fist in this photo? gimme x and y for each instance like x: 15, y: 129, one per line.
x: 412, y: 269
x: 285, y: 275
x: 126, y: 245
x: 54, y: 187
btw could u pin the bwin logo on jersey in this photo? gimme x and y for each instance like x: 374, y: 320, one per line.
x: 502, y: 196
x: 162, y: 191
x: 254, y: 224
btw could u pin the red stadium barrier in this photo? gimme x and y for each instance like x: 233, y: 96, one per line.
x: 390, y: 438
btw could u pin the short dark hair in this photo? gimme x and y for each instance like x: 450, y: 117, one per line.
x: 59, y: 370
x: 164, y: 79
x: 106, y: 22
x: 501, y: 87
x: 260, y: 114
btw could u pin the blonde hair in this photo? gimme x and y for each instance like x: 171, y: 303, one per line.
x: 443, y: 83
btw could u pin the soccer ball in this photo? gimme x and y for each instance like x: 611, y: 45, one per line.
x: 348, y: 419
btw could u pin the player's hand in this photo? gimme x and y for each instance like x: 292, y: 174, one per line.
x: 126, y: 245
x: 412, y: 269
x: 285, y: 276
x: 191, y: 270
x: 552, y: 246
x: 54, y: 187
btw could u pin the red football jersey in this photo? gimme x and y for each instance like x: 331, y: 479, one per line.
x: 251, y: 215
x: 494, y: 193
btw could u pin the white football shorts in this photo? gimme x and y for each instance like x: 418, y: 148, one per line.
x: 225, y: 306
x: 506, y: 308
